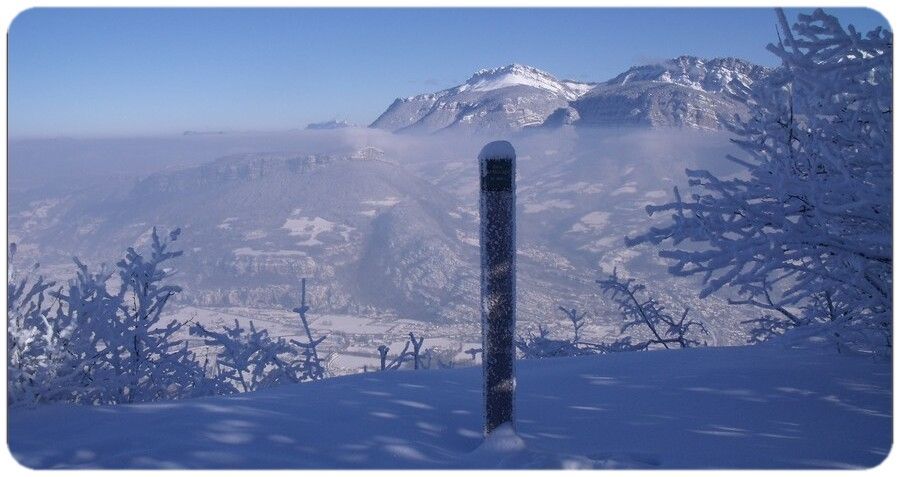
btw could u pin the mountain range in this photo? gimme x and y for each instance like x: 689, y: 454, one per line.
x: 682, y: 92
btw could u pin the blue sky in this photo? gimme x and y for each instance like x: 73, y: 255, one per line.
x: 114, y: 72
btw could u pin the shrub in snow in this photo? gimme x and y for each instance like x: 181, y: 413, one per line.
x: 664, y: 329
x: 382, y: 354
x: 100, y: 343
x: 577, y: 320
x: 543, y: 346
x: 405, y: 355
x: 417, y: 346
x: 103, y: 341
x: 805, y: 233
x: 142, y: 359
x: 250, y: 359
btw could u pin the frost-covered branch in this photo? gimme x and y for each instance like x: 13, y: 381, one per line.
x: 312, y: 366
x: 31, y: 342
x: 665, y: 329
x: 543, y: 346
x: 805, y: 232
x: 405, y: 355
x: 250, y: 359
x: 101, y: 343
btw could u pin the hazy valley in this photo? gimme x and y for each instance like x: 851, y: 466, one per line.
x: 383, y: 224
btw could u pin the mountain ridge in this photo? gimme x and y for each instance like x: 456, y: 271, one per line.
x: 686, y: 91
x: 480, y: 102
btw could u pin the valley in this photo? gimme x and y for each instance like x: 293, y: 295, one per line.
x: 384, y: 224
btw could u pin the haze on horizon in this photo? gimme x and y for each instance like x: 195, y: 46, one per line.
x: 139, y: 72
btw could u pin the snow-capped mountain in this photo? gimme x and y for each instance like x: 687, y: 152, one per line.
x: 682, y: 92
x: 716, y: 75
x: 510, y: 97
x: 516, y: 75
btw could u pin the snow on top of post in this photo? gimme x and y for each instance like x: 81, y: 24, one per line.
x: 497, y: 150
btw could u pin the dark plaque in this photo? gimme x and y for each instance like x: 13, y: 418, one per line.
x: 497, y: 175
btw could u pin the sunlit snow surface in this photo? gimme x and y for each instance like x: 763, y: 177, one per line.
x: 513, y: 75
x: 740, y: 407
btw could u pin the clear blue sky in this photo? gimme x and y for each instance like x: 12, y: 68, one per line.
x: 113, y: 72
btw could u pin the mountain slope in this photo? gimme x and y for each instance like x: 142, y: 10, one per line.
x: 506, y: 98
x: 653, y: 104
x: 716, y: 75
x: 255, y: 223
x: 735, y: 407
x: 683, y: 92
x: 412, y: 263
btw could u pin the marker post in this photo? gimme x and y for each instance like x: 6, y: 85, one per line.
x: 497, y: 164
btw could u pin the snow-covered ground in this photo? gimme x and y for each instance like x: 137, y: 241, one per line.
x: 739, y: 407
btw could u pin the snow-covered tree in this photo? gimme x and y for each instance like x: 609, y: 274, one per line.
x: 31, y: 345
x: 102, y: 339
x: 98, y: 342
x: 118, y: 340
x: 577, y: 320
x: 83, y: 322
x: 248, y: 360
x: 805, y: 232
x: 663, y: 328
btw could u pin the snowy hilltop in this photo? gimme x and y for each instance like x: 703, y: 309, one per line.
x: 682, y: 92
x: 733, y: 407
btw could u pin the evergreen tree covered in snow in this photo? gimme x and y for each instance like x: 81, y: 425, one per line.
x: 805, y: 233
